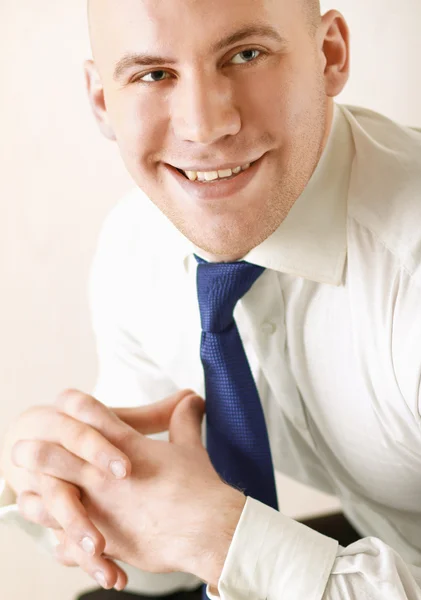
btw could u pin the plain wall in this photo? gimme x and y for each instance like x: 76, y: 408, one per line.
x: 58, y: 180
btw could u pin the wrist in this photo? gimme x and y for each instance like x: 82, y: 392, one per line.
x: 216, y: 535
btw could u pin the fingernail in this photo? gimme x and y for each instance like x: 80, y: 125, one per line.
x: 88, y: 546
x: 118, y: 469
x: 100, y: 579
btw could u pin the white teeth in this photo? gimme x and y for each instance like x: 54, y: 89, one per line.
x: 225, y: 173
x: 214, y: 175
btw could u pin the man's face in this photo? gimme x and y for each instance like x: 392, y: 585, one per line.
x: 217, y: 101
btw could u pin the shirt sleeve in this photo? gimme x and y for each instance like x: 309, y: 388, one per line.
x: 405, y: 338
x: 274, y: 557
x: 127, y: 377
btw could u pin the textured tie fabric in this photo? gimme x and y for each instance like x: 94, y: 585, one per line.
x: 236, y: 433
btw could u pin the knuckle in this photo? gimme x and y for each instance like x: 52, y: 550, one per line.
x: 79, y: 433
x: 73, y: 525
x: 98, y: 455
x: 52, y: 490
x: 182, y: 394
x: 40, y: 453
x: 100, y: 481
x: 123, y: 436
x: 83, y: 405
x: 72, y: 400
x: 43, y: 517
x: 66, y: 396
x: 30, y: 508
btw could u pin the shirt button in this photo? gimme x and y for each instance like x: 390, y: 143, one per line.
x: 268, y: 328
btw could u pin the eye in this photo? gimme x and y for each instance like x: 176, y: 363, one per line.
x: 154, y: 76
x: 245, y: 56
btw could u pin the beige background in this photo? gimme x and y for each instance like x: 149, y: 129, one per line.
x: 58, y: 180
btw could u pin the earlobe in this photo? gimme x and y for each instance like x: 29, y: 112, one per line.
x: 336, y: 51
x: 96, y: 98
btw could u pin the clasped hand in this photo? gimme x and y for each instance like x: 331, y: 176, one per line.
x: 108, y: 492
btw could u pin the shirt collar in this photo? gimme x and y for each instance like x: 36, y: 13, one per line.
x: 312, y: 242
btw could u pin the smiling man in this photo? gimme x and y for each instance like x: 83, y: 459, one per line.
x: 236, y: 95
x: 269, y: 260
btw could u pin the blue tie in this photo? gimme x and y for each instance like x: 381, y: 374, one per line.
x: 236, y: 434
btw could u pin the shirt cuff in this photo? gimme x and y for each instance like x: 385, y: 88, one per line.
x: 272, y: 556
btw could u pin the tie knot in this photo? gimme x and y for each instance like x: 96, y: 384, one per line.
x: 219, y: 287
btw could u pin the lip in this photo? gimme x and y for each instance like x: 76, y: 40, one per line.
x: 217, y: 189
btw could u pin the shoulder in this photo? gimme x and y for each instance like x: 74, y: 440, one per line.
x: 385, y: 187
x: 132, y: 220
x: 137, y: 251
x: 136, y: 232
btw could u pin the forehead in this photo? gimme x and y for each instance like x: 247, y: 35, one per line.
x: 177, y: 26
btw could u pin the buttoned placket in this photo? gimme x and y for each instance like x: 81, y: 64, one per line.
x: 261, y: 313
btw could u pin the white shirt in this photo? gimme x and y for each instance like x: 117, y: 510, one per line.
x: 332, y: 331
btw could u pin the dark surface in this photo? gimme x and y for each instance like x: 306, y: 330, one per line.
x: 114, y: 595
x: 335, y: 526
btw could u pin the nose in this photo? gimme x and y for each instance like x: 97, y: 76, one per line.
x: 203, y: 109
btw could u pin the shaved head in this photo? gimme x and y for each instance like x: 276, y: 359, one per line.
x: 311, y: 10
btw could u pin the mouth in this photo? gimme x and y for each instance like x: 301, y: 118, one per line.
x: 221, y: 183
x: 218, y: 174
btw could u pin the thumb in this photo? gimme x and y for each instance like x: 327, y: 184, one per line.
x: 152, y: 418
x: 186, y: 422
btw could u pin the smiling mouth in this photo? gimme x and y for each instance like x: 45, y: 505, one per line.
x: 212, y: 176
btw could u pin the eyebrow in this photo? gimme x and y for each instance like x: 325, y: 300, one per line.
x: 144, y: 60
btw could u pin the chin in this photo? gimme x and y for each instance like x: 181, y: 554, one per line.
x: 226, y: 248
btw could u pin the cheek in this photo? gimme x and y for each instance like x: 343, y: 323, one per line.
x: 140, y: 127
x: 277, y: 102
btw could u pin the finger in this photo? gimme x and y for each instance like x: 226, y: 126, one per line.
x: 32, y: 508
x: 122, y: 579
x: 105, y: 571
x: 26, y: 481
x: 83, y: 441
x: 49, y: 459
x: 63, y: 503
x: 63, y: 557
x: 85, y: 409
x: 153, y: 418
x: 60, y: 552
x: 186, y: 422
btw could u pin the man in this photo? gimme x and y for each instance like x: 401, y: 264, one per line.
x: 271, y: 263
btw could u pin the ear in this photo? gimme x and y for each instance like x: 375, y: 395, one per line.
x: 97, y: 100
x: 334, y: 45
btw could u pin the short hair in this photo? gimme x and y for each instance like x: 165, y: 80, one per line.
x: 312, y: 13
